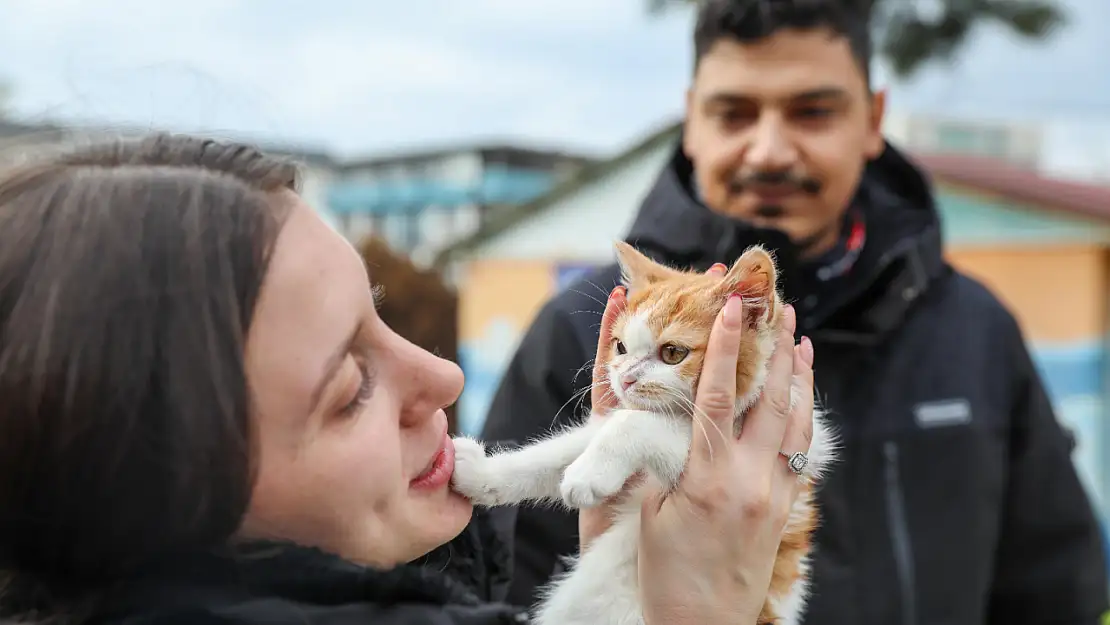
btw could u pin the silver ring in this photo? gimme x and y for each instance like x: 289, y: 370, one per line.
x: 796, y: 461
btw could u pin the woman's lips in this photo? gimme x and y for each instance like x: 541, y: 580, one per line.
x: 439, y: 471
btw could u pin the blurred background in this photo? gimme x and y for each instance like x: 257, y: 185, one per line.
x: 484, y: 153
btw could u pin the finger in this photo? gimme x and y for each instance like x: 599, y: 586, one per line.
x: 765, y: 423
x: 718, y: 269
x: 715, y: 398
x: 602, y: 398
x: 799, y: 427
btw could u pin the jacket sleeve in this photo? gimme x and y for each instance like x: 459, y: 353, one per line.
x: 543, y: 386
x: 1050, y: 565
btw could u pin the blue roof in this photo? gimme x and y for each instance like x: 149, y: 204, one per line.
x: 496, y: 186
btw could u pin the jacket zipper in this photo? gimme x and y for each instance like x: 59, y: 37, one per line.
x: 900, y: 533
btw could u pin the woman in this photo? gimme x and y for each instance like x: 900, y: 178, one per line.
x: 202, y: 420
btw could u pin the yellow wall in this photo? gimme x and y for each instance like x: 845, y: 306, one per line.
x: 1058, y: 294
x: 511, y: 291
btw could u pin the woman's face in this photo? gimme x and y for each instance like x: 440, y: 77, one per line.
x: 354, y: 456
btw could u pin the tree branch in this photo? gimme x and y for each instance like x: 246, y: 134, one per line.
x: 907, y: 35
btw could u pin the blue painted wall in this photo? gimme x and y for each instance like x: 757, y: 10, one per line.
x: 494, y: 186
x: 1074, y: 376
x: 972, y: 219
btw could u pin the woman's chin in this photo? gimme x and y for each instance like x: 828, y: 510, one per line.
x: 449, y: 517
x: 443, y: 524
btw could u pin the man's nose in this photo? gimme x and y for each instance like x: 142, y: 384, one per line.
x: 770, y: 148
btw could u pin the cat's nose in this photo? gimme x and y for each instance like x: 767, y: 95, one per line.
x: 627, y: 380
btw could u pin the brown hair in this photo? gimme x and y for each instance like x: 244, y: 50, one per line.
x: 129, y: 274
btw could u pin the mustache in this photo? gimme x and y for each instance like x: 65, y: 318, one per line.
x: 776, y: 179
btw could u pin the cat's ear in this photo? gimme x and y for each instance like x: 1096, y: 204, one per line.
x: 639, y: 270
x: 753, y: 276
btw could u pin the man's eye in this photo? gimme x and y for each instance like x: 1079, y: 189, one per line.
x: 815, y: 112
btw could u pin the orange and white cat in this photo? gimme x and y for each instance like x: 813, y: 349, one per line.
x: 653, y: 368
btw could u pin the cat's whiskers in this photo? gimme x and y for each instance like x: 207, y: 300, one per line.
x: 697, y: 415
x: 598, y: 287
x: 576, y: 397
x: 602, y: 302
x: 588, y: 365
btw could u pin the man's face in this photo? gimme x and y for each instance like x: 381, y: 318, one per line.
x: 779, y: 132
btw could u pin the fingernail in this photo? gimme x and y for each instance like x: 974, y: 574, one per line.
x: 616, y: 291
x: 734, y: 312
x: 807, y: 351
x: 718, y: 267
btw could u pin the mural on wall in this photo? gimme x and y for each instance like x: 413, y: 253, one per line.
x: 496, y: 305
x: 489, y: 337
x: 565, y: 275
x: 483, y: 359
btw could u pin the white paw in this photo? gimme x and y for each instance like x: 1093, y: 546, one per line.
x: 586, y: 484
x: 471, y: 478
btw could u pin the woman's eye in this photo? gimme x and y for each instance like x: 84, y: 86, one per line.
x: 362, y: 395
x: 672, y: 354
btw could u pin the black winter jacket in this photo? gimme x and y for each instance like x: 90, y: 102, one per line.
x: 956, y: 501
x: 461, y: 583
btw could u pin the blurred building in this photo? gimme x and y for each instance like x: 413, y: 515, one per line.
x: 1041, y: 244
x: 421, y: 202
x: 20, y: 140
x: 1067, y: 147
x: 418, y: 202
x: 1015, y: 142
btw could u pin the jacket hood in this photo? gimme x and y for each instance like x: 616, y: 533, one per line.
x: 902, y: 255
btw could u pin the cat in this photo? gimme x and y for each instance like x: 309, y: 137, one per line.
x: 653, y: 363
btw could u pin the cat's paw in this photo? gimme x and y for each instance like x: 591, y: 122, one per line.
x: 471, y: 476
x: 586, y: 484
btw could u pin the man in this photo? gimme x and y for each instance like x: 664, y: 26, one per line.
x: 956, y: 500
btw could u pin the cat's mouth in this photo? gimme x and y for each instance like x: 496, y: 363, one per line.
x: 664, y: 404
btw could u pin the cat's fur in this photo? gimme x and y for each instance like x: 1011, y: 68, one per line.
x: 583, y: 465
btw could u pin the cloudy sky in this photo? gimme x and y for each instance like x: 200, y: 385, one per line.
x: 376, y: 76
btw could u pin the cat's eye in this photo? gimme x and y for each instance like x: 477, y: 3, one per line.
x: 673, y: 354
x: 620, y: 347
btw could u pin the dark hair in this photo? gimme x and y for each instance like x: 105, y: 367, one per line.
x: 129, y: 274
x: 753, y: 20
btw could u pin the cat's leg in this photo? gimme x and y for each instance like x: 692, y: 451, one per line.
x: 628, y: 441
x: 529, y: 473
x: 603, y: 586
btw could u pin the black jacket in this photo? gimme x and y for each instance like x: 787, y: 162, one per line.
x: 461, y: 583
x: 956, y: 500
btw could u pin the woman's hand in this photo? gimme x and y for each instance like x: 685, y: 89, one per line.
x: 592, y: 522
x: 707, y: 550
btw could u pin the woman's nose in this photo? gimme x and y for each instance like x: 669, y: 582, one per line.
x: 434, y: 383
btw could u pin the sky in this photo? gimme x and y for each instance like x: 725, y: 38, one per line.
x: 374, y: 77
